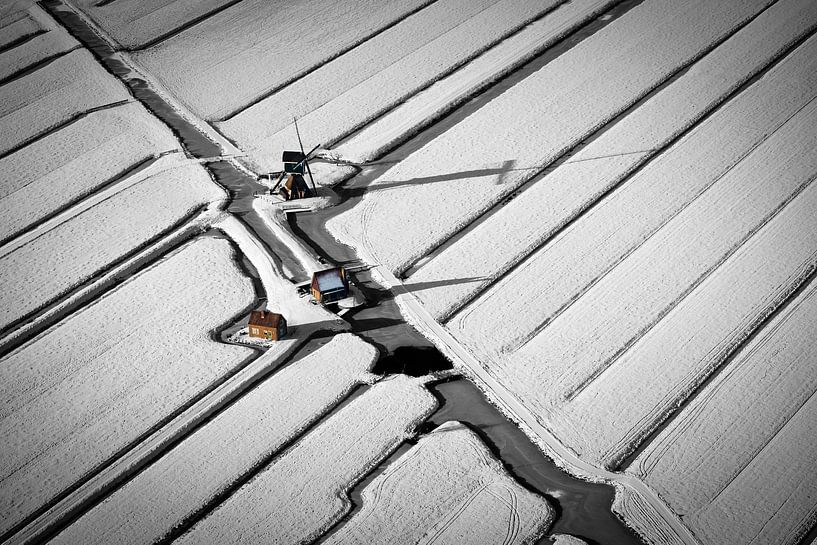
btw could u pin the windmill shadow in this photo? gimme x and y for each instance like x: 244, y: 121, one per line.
x: 501, y: 171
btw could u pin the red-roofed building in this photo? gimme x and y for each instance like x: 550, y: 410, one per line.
x: 267, y: 325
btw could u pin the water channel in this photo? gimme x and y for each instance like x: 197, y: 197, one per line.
x: 583, y: 509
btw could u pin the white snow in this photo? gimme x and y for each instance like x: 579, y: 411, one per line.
x: 303, y: 491
x: 448, y: 488
x: 57, y: 258
x: 428, y: 104
x: 243, y: 53
x: 134, y: 23
x: 377, y: 75
x: 88, y: 387
x: 615, y: 311
x: 16, y: 25
x: 738, y: 463
x: 50, y: 43
x: 558, y: 196
x: 591, y: 246
x: 234, y: 442
x: 59, y: 92
x: 567, y: 539
x: 695, y: 337
x: 486, y: 155
x: 43, y: 177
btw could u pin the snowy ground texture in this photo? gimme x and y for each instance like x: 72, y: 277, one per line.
x: 235, y: 442
x: 275, y: 508
x: 622, y: 232
x: 91, y: 385
x: 636, y: 264
x: 448, y: 488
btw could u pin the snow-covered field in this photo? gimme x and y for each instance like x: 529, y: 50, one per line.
x: 562, y: 194
x: 59, y: 92
x: 229, y: 446
x: 87, y: 388
x: 134, y: 23
x: 303, y: 491
x: 487, y: 155
x: 738, y: 463
x: 51, y: 41
x: 60, y: 255
x: 343, y: 94
x: 448, y: 488
x: 16, y: 25
x: 243, y: 53
x: 43, y: 177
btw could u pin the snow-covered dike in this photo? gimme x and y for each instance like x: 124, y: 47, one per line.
x: 380, y: 73
x: 87, y: 388
x: 485, y: 156
x: 218, y: 454
x: 240, y: 54
x: 66, y: 165
x: 448, y: 488
x: 601, y: 237
x: 560, y: 195
x: 739, y: 462
x: 303, y: 491
x: 53, y: 41
x: 52, y: 95
x: 62, y: 256
x: 134, y: 23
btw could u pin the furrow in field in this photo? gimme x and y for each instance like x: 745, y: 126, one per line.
x: 135, y: 23
x: 558, y: 197
x: 55, y: 171
x: 601, y: 325
x: 241, y: 54
x: 696, y: 337
x: 582, y: 253
x: 80, y: 393
x: 55, y: 94
x: 447, y: 488
x: 17, y: 32
x: 342, y: 95
x: 303, y: 491
x: 426, y: 106
x: 39, y: 49
x: 453, y: 179
x: 744, y: 431
x: 69, y: 253
x: 244, y: 435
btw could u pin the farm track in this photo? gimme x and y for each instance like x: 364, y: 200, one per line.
x: 409, y: 268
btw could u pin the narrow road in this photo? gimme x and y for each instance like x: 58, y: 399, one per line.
x: 418, y: 316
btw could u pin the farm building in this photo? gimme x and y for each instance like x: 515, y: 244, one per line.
x: 267, y: 325
x: 330, y: 285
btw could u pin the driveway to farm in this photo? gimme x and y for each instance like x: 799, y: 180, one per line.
x: 449, y: 346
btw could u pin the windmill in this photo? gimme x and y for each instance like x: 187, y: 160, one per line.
x: 294, y: 186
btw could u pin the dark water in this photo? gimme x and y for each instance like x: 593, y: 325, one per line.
x: 583, y: 508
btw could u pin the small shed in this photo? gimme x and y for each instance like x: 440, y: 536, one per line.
x: 295, y: 188
x: 330, y: 285
x: 267, y: 325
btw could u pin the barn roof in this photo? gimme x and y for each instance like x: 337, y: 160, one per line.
x: 265, y: 318
x: 330, y: 279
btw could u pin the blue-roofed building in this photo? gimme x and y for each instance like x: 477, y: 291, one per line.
x: 330, y: 285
